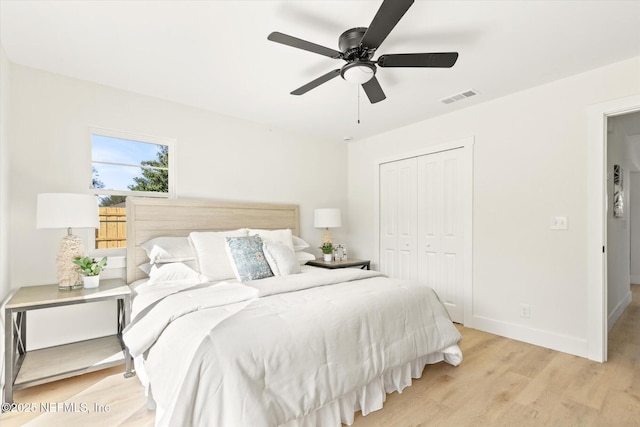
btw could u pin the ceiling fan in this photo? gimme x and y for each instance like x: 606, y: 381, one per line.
x: 357, y: 47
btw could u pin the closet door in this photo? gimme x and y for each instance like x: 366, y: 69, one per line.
x: 398, y: 218
x: 440, y: 228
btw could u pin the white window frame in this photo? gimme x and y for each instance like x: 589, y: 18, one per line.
x: 170, y: 194
x: 171, y: 143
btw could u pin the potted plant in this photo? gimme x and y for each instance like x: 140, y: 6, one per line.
x: 90, y: 270
x: 327, y: 250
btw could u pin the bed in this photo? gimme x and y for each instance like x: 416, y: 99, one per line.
x: 302, y: 346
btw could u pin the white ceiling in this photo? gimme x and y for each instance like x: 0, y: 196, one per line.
x: 215, y: 54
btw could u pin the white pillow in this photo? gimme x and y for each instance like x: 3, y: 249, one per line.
x: 283, y: 236
x: 281, y: 259
x: 211, y: 252
x: 298, y: 243
x: 145, y: 268
x: 173, y: 274
x: 169, y: 249
x: 303, y: 257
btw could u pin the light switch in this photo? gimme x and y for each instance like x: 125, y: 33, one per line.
x: 559, y: 223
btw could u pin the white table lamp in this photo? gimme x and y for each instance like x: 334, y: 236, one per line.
x: 327, y: 218
x: 65, y: 210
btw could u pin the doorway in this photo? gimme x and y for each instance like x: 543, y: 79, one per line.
x: 622, y: 165
x: 598, y: 203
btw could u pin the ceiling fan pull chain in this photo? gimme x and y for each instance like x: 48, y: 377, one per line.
x: 358, y: 89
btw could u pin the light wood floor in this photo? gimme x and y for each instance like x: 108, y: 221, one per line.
x: 501, y: 382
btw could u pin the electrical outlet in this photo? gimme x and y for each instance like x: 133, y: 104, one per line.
x: 559, y: 223
x: 525, y: 310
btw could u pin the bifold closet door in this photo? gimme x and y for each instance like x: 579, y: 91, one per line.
x: 398, y: 218
x: 440, y: 228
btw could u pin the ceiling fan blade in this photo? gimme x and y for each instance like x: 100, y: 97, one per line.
x: 317, y: 82
x: 373, y: 90
x: 437, y: 60
x: 386, y: 18
x: 304, y: 45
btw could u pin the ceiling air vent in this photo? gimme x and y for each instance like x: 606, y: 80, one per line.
x: 459, y: 96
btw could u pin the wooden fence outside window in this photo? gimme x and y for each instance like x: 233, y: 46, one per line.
x: 113, y: 228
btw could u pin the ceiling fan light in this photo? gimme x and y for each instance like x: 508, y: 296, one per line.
x: 358, y: 72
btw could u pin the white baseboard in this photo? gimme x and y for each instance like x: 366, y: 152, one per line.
x: 635, y: 279
x: 617, y: 312
x: 548, y: 339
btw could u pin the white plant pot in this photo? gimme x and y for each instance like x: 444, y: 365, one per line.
x: 328, y: 257
x: 91, y: 282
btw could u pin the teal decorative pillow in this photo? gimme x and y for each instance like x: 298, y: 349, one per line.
x: 247, y: 258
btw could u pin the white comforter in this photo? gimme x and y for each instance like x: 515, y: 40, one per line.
x: 267, y: 360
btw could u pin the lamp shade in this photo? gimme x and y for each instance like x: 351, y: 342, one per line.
x: 66, y: 210
x: 326, y: 218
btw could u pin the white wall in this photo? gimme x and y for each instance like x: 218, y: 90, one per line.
x: 4, y: 196
x: 530, y: 162
x: 4, y: 173
x: 618, y: 228
x: 218, y: 157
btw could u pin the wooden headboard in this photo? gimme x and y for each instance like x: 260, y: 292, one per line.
x: 148, y: 218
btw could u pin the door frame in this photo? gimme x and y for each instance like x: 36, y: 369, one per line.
x: 466, y: 144
x: 597, y: 311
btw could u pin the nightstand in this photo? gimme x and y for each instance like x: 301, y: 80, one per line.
x: 363, y: 264
x: 29, y: 368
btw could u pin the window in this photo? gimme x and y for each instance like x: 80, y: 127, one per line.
x: 125, y: 164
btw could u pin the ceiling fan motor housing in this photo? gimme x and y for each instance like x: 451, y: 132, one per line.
x: 349, y: 44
